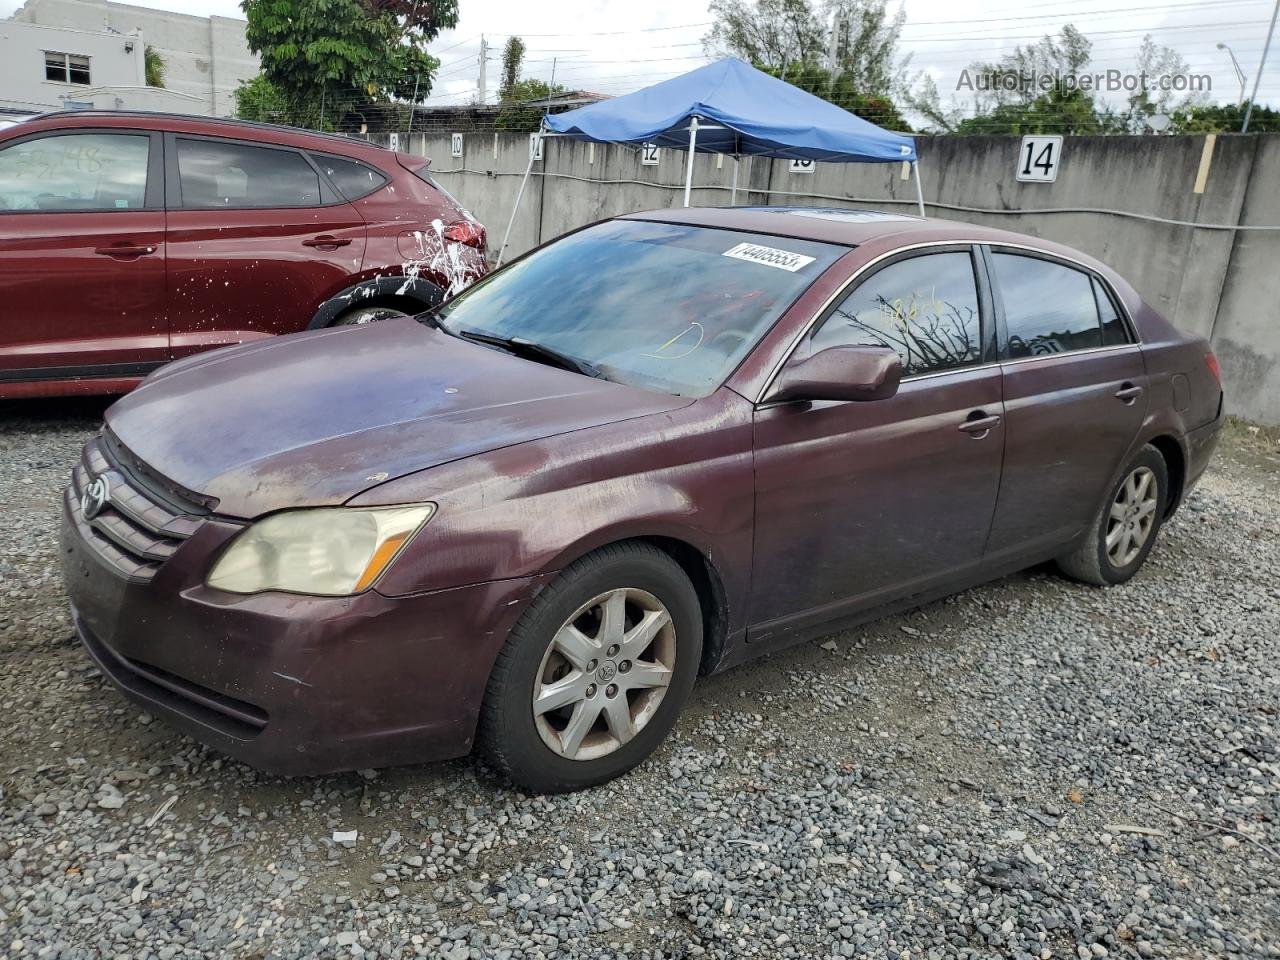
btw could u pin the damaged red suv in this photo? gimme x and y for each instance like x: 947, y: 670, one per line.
x: 128, y: 240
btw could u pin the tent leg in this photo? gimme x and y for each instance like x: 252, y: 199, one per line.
x: 915, y: 168
x: 502, y: 251
x: 733, y: 194
x: 688, y: 172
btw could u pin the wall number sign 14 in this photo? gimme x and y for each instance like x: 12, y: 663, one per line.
x: 1038, y: 159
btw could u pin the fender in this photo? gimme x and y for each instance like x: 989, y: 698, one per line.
x: 382, y: 287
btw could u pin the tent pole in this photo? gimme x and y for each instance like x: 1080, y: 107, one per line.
x: 533, y: 150
x: 915, y: 168
x: 733, y: 196
x: 688, y: 172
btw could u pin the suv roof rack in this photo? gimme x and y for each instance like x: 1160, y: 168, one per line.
x: 229, y: 121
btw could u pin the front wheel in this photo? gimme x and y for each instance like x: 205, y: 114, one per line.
x: 362, y: 315
x: 595, y: 673
x: 1124, y: 531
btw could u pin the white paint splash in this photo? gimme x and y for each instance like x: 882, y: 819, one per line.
x: 438, y: 258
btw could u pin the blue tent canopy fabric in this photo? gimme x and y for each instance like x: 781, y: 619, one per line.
x: 741, y: 111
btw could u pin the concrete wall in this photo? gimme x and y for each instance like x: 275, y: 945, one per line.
x: 1224, y: 284
x: 205, y: 57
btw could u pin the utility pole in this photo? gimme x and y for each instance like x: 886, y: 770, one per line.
x: 484, y: 60
x: 833, y: 48
x: 1261, y: 63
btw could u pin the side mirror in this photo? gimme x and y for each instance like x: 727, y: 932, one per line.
x: 840, y: 373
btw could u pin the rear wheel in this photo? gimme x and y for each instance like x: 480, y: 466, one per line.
x: 1124, y: 531
x: 595, y: 673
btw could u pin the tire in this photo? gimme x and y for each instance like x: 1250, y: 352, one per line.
x: 358, y: 316
x: 559, y: 650
x: 1092, y: 561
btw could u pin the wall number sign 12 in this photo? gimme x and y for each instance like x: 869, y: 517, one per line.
x: 1038, y: 159
x: 650, y: 153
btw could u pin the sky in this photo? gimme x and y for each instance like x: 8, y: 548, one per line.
x: 612, y: 47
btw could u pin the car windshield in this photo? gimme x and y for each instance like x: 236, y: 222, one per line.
x: 664, y: 307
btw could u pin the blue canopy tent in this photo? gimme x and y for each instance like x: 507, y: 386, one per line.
x: 729, y: 107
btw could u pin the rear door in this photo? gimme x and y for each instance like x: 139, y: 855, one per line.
x: 258, y: 239
x: 1074, y: 391
x: 82, y: 255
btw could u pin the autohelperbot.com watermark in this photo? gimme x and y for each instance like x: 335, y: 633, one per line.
x: 1106, y: 81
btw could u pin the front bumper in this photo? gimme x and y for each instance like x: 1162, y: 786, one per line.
x: 291, y: 684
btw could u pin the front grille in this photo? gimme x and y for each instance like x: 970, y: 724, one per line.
x: 135, y: 531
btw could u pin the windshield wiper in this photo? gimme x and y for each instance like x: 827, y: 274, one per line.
x: 531, y: 350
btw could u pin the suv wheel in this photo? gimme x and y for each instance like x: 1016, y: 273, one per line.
x: 595, y: 673
x: 363, y: 315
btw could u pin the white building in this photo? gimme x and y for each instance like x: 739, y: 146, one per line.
x: 205, y: 57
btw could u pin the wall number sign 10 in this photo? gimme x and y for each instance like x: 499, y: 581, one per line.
x: 1038, y: 159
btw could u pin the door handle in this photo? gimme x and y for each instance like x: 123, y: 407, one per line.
x: 325, y: 242
x: 1128, y: 393
x: 978, y: 424
x: 125, y: 251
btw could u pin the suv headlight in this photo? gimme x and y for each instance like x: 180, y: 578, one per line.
x: 331, y: 551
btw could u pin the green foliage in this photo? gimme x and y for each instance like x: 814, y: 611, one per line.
x: 512, y: 62
x: 260, y: 99
x: 327, y: 58
x: 843, y: 91
x: 154, y: 66
x: 515, y: 116
x: 769, y: 33
x: 1225, y: 119
x: 1058, y: 111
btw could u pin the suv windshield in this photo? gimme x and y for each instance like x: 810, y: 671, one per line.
x: 664, y: 307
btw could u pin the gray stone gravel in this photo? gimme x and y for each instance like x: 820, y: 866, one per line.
x: 1030, y: 769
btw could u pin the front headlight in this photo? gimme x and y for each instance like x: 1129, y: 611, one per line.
x: 332, y: 551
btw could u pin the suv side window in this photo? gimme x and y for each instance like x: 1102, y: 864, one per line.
x: 925, y: 308
x: 352, y: 178
x: 220, y: 174
x: 1049, y: 307
x: 75, y: 172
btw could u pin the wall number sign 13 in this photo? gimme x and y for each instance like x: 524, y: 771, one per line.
x: 1038, y: 159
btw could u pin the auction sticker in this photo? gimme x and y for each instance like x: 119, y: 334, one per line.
x: 769, y: 256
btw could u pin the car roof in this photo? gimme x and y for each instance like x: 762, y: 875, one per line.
x: 850, y: 227
x: 269, y: 133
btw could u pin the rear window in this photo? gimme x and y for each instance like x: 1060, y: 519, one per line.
x: 221, y: 174
x: 352, y: 178
x: 661, y: 306
x: 1049, y: 307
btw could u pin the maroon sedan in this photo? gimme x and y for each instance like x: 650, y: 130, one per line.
x: 131, y: 239
x: 652, y: 449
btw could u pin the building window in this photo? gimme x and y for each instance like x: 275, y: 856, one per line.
x: 66, y: 68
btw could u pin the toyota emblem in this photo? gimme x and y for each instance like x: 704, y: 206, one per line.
x: 95, y: 497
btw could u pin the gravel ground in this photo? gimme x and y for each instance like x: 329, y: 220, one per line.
x: 1029, y: 769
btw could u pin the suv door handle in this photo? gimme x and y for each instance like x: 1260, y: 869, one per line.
x: 326, y: 242
x: 978, y: 424
x: 1128, y: 393
x: 125, y: 251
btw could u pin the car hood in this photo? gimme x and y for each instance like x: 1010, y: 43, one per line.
x: 316, y: 418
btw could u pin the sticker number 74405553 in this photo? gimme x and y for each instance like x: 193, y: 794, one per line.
x: 769, y: 256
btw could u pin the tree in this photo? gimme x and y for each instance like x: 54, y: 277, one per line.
x: 1210, y: 118
x: 516, y: 115
x: 841, y: 89
x: 512, y: 63
x: 767, y: 33
x: 329, y: 57
x: 260, y: 99
x: 153, y: 65
x: 865, y: 43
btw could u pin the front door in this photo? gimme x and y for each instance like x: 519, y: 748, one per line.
x: 1075, y: 396
x: 858, y: 503
x: 82, y: 256
x: 257, y: 240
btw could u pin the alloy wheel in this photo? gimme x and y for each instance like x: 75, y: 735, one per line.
x: 604, y: 674
x: 1132, y: 517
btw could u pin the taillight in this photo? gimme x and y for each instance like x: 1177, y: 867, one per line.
x: 466, y: 231
x: 1211, y: 362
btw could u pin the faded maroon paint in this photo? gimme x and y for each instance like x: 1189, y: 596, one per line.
x: 807, y: 515
x: 213, y: 277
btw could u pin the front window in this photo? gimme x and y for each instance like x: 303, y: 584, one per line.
x: 66, y: 68
x: 82, y: 171
x: 664, y: 307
